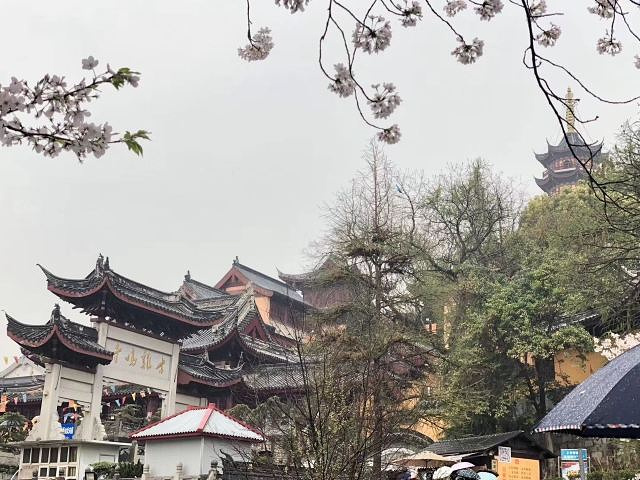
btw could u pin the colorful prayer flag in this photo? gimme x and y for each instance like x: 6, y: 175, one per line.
x: 118, y: 403
x: 16, y: 359
x: 6, y: 360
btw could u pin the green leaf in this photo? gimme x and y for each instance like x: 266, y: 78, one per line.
x: 131, y: 140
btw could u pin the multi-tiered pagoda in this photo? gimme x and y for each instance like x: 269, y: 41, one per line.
x: 562, y: 168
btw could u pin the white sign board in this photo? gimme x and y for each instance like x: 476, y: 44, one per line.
x: 504, y: 454
x: 139, y: 360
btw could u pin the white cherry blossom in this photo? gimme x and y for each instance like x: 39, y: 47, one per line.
x: 343, y: 83
x: 89, y: 63
x: 293, y: 5
x: 51, y: 116
x: 468, y: 53
x: 411, y: 14
x: 602, y: 8
x: 489, y: 9
x: 608, y: 45
x: 549, y: 37
x: 373, y: 38
x: 390, y: 135
x: 452, y: 7
x: 259, y: 47
x: 384, y: 101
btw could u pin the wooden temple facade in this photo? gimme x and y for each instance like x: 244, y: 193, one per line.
x: 230, y: 342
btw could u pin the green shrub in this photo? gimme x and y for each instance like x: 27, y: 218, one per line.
x: 103, y: 468
x: 612, y: 475
x: 129, y: 469
x: 595, y: 475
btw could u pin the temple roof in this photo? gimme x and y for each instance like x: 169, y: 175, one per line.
x: 60, y: 339
x: 583, y: 150
x: 201, y: 370
x: 242, y: 318
x: 299, y: 280
x: 104, y: 292
x: 274, y: 377
x: 197, y: 291
x: 559, y: 177
x: 262, y: 281
x: 200, y: 422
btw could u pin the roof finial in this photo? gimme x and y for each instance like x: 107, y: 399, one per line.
x: 570, y: 102
x: 55, y: 314
x: 236, y: 260
x: 188, y: 275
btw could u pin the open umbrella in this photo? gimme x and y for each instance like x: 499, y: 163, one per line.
x: 607, y: 404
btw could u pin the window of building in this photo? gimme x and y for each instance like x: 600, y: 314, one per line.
x: 53, y: 461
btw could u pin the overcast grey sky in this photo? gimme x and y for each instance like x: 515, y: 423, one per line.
x: 244, y: 155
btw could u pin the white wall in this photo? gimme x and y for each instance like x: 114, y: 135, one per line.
x: 25, y: 368
x: 92, y: 453
x: 184, y: 401
x: 195, y: 454
x: 239, y: 451
x: 88, y: 453
x: 162, y: 456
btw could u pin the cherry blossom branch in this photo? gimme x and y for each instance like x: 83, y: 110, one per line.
x: 372, y: 35
x: 59, y: 116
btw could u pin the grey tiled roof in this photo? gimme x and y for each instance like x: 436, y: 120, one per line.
x: 205, y: 311
x: 238, y: 317
x: 76, y: 337
x: 202, y: 369
x: 268, y: 283
x: 583, y: 150
x: 472, y: 444
x: 198, y: 291
x: 281, y: 376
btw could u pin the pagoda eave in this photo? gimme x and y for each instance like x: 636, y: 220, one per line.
x: 185, y: 378
x: 51, y: 341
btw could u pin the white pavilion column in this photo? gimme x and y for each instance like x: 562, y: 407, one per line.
x: 169, y: 402
x: 91, y: 427
x: 48, y: 425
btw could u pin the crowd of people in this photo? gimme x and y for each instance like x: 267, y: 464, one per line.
x: 457, y: 471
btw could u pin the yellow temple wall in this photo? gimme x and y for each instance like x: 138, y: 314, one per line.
x: 572, y: 368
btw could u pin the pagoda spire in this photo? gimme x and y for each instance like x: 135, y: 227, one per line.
x: 570, y: 117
